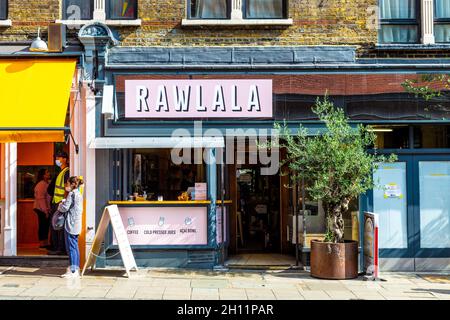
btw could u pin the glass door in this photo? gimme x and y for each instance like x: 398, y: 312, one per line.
x: 391, y: 200
x: 432, y: 206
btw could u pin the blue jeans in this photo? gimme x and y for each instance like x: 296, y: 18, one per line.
x: 72, y: 250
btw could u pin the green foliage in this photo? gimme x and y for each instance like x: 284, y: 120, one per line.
x: 428, y: 86
x: 335, y: 165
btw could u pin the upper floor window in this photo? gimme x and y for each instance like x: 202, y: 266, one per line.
x: 248, y: 9
x: 121, y: 9
x: 442, y: 20
x: 90, y: 9
x: 78, y: 9
x: 3, y: 9
x: 399, y: 21
x: 265, y: 9
x: 209, y: 9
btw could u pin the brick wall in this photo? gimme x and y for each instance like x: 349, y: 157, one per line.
x: 316, y: 22
x: 27, y: 16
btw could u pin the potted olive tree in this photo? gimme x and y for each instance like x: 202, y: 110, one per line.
x: 337, y: 169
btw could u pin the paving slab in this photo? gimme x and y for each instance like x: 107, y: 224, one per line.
x: 210, y: 283
x: 232, y: 294
x: 205, y: 294
x: 177, y: 293
x: 150, y: 293
x: 121, y: 293
x: 38, y: 291
x: 287, y: 294
x: 315, y: 295
x: 260, y: 294
x: 64, y: 292
x: 94, y: 292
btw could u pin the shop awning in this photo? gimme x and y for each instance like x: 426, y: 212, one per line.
x: 34, y: 96
x: 157, y: 143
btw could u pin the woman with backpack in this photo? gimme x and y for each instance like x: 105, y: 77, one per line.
x: 72, y: 206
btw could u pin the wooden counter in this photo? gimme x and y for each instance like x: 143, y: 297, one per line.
x: 27, y: 223
x: 166, y: 203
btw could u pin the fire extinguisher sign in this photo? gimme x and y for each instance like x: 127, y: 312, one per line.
x: 371, y: 250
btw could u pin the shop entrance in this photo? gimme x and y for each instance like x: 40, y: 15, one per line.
x: 258, y: 211
x: 35, y: 170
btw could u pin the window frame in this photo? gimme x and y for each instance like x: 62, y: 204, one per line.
x: 4, y: 15
x: 245, y: 6
x: 108, y: 12
x: 189, y: 11
x: 439, y: 21
x: 403, y: 22
x: 64, y: 11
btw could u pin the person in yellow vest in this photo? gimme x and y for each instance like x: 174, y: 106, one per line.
x: 57, y: 191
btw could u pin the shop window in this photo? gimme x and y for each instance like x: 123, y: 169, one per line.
x: 265, y: 9
x: 78, y: 9
x: 121, y: 9
x: 209, y: 9
x: 3, y: 9
x: 442, y: 20
x: 432, y: 137
x: 154, y: 175
x: 399, y: 21
x: 391, y: 137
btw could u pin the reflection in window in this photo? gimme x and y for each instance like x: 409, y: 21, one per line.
x: 153, y: 173
x: 391, y: 137
x: 209, y: 9
x: 121, y: 9
x: 78, y: 9
x: 27, y: 179
x: 3, y: 9
x: 265, y: 9
x: 399, y: 21
x: 432, y: 137
x: 442, y: 21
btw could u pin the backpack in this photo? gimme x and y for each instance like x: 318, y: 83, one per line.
x: 59, y: 218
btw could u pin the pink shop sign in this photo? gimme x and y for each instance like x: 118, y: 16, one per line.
x: 198, y: 99
x: 165, y: 226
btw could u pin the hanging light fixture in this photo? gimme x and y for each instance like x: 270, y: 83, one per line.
x: 38, y: 45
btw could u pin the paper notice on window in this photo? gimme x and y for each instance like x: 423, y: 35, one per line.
x: 393, y: 191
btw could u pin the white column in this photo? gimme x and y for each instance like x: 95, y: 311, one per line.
x: 10, y: 222
x: 99, y: 10
x: 236, y: 10
x: 88, y: 99
x: 427, y: 11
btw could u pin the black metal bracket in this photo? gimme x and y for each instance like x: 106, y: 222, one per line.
x: 77, y: 147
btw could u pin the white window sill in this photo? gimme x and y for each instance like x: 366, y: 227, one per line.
x: 5, y: 23
x: 124, y: 23
x: 237, y: 22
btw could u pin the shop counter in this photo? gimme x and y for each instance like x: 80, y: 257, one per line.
x: 167, y: 203
x: 168, y: 223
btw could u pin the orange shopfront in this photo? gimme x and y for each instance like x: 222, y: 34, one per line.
x: 39, y: 98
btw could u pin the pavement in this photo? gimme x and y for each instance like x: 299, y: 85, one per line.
x: 19, y: 283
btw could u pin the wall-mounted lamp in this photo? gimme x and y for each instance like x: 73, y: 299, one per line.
x: 38, y: 45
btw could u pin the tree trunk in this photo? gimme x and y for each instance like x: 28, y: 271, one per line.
x: 337, y: 224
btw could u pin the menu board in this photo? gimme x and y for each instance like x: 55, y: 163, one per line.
x: 201, y: 191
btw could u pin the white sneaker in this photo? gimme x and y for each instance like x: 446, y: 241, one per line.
x: 70, y: 274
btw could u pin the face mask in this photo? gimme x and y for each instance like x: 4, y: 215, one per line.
x: 58, y: 163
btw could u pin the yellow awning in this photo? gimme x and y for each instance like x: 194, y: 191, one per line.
x: 34, y: 94
x: 31, y: 136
